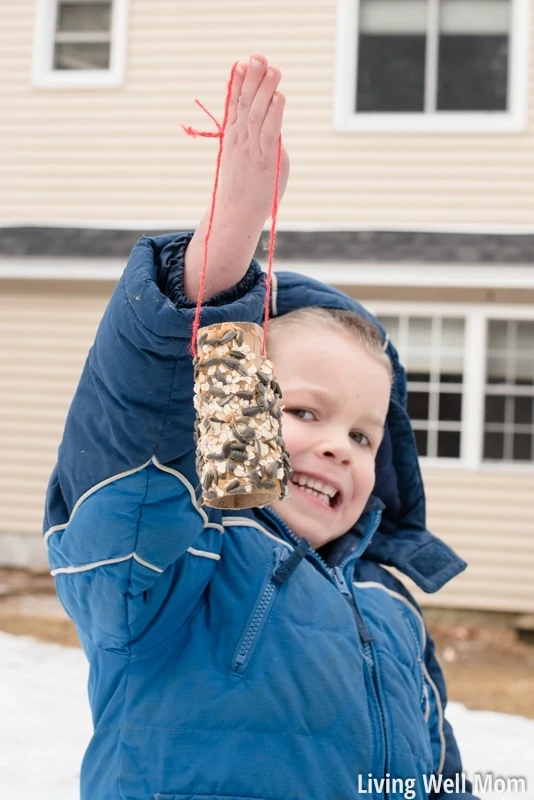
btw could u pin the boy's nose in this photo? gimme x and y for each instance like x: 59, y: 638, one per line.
x: 337, y: 451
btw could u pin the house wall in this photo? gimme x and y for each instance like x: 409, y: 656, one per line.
x: 46, y: 329
x: 120, y: 155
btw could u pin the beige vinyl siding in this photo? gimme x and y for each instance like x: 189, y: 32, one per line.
x: 46, y: 329
x: 487, y: 517
x: 120, y: 155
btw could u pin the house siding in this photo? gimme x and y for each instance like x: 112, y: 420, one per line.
x: 119, y: 154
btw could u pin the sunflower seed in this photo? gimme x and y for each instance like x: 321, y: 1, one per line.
x: 233, y: 485
x: 237, y: 354
x: 244, y: 395
x: 215, y: 457
x: 208, y: 480
x: 237, y: 455
x: 263, y: 378
x: 227, y: 337
x: 268, y: 484
x: 251, y: 411
x: 272, y: 470
x: 238, y: 446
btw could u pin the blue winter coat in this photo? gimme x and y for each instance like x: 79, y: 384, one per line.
x: 227, y: 660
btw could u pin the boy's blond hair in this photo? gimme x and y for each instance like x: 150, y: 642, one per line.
x: 348, y: 322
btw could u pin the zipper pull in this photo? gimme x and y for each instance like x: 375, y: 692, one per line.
x: 364, y: 634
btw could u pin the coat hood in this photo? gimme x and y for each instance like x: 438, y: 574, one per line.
x: 402, y: 539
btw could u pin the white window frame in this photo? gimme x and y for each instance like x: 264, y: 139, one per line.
x: 45, y: 76
x: 474, y: 384
x: 511, y: 121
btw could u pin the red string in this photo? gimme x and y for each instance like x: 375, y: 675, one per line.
x: 219, y: 134
x: 272, y: 245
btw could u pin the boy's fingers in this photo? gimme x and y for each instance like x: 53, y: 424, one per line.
x: 235, y: 92
x: 256, y: 69
x: 272, y: 125
x: 264, y: 95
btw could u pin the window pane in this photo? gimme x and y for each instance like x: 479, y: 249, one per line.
x: 449, y: 444
x: 493, y: 446
x: 84, y: 17
x: 524, y: 411
x: 418, y: 405
x: 450, y: 407
x: 391, y: 325
x: 522, y: 447
x: 497, y: 334
x: 473, y: 55
x: 496, y: 370
x: 418, y: 377
x: 81, y: 56
x: 418, y: 352
x: 525, y: 338
x: 494, y: 409
x: 451, y: 377
x: 421, y: 441
x: 510, y: 372
x: 391, y: 55
x: 523, y: 371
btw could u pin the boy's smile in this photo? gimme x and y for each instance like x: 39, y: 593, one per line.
x: 335, y: 395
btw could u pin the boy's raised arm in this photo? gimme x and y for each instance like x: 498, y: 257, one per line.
x: 134, y: 399
x: 121, y: 504
x: 246, y: 189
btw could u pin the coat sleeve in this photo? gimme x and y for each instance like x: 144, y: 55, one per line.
x: 122, y: 508
x: 444, y: 745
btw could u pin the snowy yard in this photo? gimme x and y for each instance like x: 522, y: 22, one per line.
x: 45, y: 727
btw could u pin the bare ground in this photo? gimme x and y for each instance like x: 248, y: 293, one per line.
x: 486, y: 665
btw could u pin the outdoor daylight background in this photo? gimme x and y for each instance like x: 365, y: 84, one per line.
x: 410, y: 127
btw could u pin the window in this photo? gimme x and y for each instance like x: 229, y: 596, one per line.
x: 80, y: 43
x: 432, y: 352
x: 509, y: 392
x: 432, y: 65
x: 470, y: 379
x: 83, y: 35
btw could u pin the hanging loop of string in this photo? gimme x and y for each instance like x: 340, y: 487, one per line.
x: 219, y: 134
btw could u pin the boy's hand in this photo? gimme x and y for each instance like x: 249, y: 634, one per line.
x: 247, y: 180
x: 250, y: 143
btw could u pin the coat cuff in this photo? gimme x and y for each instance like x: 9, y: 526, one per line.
x: 171, y: 277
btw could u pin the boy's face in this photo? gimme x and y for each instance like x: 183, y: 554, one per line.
x: 335, y: 396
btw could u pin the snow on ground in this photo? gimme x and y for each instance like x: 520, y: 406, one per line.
x: 46, y: 725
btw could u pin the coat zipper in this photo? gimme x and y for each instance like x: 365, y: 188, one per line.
x: 366, y: 640
x: 257, y: 620
x: 337, y: 576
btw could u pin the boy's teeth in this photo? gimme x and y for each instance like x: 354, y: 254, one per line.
x: 324, y: 497
x: 312, y: 483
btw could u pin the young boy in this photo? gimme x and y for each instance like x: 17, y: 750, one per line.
x: 264, y: 654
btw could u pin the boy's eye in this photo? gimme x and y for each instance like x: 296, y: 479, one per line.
x: 301, y: 413
x: 360, y: 438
